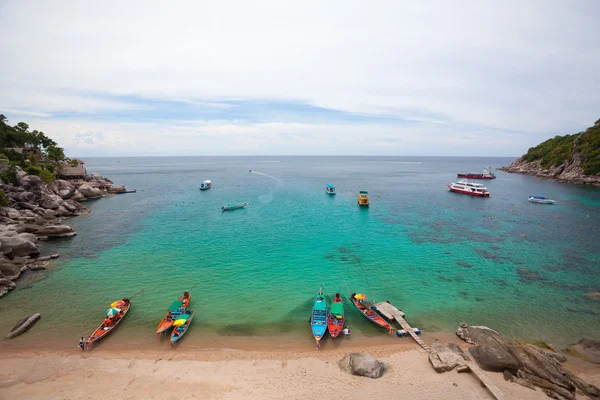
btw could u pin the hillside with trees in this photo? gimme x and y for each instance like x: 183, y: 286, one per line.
x: 570, y: 158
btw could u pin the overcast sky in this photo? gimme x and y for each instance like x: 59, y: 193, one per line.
x: 476, y: 78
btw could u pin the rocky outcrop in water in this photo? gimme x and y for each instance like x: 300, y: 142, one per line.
x: 525, y: 364
x: 586, y: 349
x: 35, y: 212
x: 362, y: 364
x: 22, y: 326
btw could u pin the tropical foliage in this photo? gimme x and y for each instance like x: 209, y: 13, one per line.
x: 560, y: 149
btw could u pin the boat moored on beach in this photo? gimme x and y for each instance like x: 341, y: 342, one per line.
x: 363, y: 198
x: 366, y: 308
x: 471, y: 188
x: 541, y: 200
x: 335, y: 321
x: 318, y: 319
x: 330, y: 189
x: 230, y: 207
x: 181, y: 325
x: 485, y: 175
x: 114, y: 315
x: 205, y: 185
x: 174, y: 310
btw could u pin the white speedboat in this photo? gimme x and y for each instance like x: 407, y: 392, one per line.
x: 471, y: 188
x: 541, y: 200
x: 330, y: 189
x: 205, y: 185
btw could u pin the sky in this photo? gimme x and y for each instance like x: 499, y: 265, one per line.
x: 438, y: 78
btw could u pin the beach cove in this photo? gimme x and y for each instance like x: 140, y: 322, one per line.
x: 442, y: 258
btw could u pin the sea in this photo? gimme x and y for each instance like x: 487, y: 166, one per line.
x: 526, y: 270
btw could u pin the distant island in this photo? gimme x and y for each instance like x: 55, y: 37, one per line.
x: 570, y: 158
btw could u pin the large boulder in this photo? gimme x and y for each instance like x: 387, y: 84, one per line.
x: 90, y: 192
x: 10, y: 212
x: 26, y: 197
x: 50, y: 230
x: 529, y: 364
x: 6, y: 285
x: 63, y: 188
x: 446, y: 357
x: 30, y: 182
x: 77, y: 196
x: 362, y: 364
x: 9, y: 270
x: 62, y: 211
x: 20, y: 246
x: 587, y: 349
x: 51, y: 201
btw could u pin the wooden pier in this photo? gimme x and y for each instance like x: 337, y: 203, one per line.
x: 392, y: 313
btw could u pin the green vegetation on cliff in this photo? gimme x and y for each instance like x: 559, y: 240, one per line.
x: 33, y: 151
x: 560, y: 149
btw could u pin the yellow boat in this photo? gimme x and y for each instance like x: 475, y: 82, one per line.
x: 363, y: 198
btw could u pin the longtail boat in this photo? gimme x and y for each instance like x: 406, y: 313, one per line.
x: 335, y: 322
x: 114, y: 316
x: 182, y: 323
x: 230, y: 207
x: 366, y: 309
x: 174, y: 310
x: 318, y: 320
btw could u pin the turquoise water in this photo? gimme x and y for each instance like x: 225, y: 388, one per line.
x: 523, y: 269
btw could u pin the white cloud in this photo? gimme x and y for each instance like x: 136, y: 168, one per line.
x: 513, y: 66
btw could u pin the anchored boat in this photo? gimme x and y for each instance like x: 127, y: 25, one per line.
x: 330, y: 189
x: 174, y: 311
x: 366, y: 308
x: 335, y: 321
x: 541, y: 200
x: 114, y: 315
x: 363, y: 198
x: 471, y: 188
x: 485, y: 175
x: 205, y: 185
x: 318, y: 320
x: 181, y: 325
x: 230, y: 207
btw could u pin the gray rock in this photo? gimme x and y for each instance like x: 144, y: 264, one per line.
x: 587, y: 349
x: 10, y: 212
x: 22, y: 326
x: 49, y: 214
x: 77, y: 196
x: 50, y: 230
x: 6, y: 285
x: 26, y: 197
x: 63, y: 188
x: 39, y: 220
x: 30, y: 182
x: 51, y: 201
x: 446, y: 357
x: 28, y: 206
x: 90, y: 192
x: 362, y: 364
x: 63, y: 212
x: 19, y: 246
x: 10, y: 271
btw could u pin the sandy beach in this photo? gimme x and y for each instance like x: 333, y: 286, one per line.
x: 237, y: 374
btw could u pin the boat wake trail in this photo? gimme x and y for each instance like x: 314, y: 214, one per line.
x: 267, y: 198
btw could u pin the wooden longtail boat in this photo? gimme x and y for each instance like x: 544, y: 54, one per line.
x: 108, y: 325
x: 335, y: 322
x: 365, y: 309
x: 182, y: 323
x: 233, y: 206
x: 318, y: 320
x: 173, y: 312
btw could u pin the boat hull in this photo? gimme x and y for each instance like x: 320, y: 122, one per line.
x: 167, y: 321
x: 542, y: 201
x: 335, y: 325
x: 101, y: 332
x: 318, y: 319
x: 230, y: 208
x: 476, y: 176
x: 177, y: 334
x: 372, y: 316
x: 475, y: 194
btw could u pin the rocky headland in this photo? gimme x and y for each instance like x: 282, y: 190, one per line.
x: 570, y: 158
x: 35, y: 211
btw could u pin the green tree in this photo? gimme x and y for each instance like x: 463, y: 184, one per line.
x: 55, y: 153
x: 3, y: 199
x: 47, y: 176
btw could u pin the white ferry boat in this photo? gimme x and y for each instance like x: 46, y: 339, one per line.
x: 471, y: 188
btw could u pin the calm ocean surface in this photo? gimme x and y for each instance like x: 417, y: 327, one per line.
x: 522, y: 269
